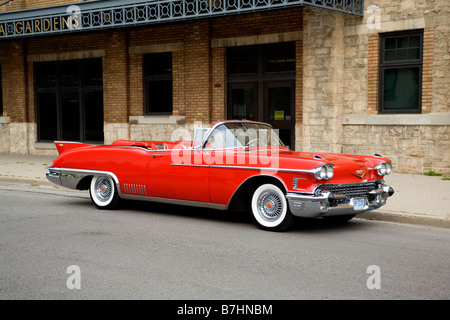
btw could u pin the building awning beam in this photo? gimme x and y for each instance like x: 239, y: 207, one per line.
x: 101, y: 14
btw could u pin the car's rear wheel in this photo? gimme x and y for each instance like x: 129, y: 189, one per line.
x: 103, y: 192
x: 269, y: 208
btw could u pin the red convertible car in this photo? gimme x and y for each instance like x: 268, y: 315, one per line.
x: 235, y: 165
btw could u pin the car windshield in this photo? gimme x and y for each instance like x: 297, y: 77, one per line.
x: 242, y: 135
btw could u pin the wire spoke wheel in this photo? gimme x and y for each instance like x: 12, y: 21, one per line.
x: 103, y: 192
x: 269, y: 208
x: 103, y: 189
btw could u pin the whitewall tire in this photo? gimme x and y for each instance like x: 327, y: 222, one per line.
x: 103, y: 192
x: 269, y: 208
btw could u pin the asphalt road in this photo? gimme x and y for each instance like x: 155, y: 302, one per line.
x: 52, y: 241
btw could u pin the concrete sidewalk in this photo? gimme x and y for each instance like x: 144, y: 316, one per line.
x: 418, y: 199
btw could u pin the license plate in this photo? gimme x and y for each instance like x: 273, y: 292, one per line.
x: 358, y: 203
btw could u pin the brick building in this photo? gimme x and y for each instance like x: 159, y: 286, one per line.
x: 347, y: 76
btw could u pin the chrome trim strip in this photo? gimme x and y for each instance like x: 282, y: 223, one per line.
x: 264, y: 168
x: 244, y: 168
x: 189, y: 165
x: 177, y: 202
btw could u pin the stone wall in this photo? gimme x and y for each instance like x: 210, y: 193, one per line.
x: 4, y: 134
x: 323, y: 71
x: 156, y: 132
x: 415, y: 143
x: 412, y: 149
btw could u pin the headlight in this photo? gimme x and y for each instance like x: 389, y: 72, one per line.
x: 384, y: 168
x: 388, y: 168
x: 330, y: 172
x: 324, y: 172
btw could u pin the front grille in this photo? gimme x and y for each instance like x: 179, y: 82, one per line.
x: 350, y: 190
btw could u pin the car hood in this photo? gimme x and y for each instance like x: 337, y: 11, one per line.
x: 347, y: 168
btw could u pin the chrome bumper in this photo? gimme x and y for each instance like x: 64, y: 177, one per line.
x: 70, y: 178
x: 65, y: 178
x: 54, y: 175
x: 325, y: 204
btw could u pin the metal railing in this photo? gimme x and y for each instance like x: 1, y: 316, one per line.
x: 92, y: 15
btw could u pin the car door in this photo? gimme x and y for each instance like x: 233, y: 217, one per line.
x: 180, y: 174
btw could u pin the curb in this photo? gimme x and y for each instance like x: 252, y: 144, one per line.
x: 26, y: 181
x: 407, y: 218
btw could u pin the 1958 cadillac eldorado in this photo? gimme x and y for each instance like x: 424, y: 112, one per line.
x: 235, y: 165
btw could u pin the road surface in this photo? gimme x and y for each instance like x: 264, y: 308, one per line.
x: 55, y: 244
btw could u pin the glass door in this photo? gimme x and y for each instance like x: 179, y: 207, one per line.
x: 279, y: 109
x: 261, y: 86
x: 243, y: 101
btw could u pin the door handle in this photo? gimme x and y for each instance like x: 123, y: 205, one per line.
x: 156, y: 156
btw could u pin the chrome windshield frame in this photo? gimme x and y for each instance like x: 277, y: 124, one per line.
x: 208, y: 135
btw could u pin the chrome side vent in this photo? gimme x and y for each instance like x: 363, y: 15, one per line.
x: 135, y: 189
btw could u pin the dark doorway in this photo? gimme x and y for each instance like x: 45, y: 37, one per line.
x: 69, y: 100
x: 261, y: 86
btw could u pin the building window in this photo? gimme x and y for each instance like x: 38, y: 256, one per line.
x: 158, y: 83
x: 401, y: 58
x: 69, y: 100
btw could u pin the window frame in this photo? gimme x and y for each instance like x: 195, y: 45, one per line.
x: 58, y: 90
x: 156, y: 78
x: 399, y: 64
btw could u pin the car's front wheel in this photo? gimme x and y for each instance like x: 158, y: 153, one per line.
x: 103, y: 192
x: 269, y: 208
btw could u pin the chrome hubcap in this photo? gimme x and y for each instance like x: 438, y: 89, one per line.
x: 270, y: 206
x: 103, y: 189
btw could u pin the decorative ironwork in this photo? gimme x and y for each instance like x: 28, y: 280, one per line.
x: 93, y: 15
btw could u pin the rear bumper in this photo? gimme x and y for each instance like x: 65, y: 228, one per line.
x: 54, y: 175
x: 329, y: 204
x: 70, y: 178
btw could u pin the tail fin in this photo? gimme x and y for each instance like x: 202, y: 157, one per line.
x: 63, y: 146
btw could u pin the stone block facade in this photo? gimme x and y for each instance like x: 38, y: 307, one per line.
x: 341, y: 87
x: 412, y: 148
x: 336, y: 82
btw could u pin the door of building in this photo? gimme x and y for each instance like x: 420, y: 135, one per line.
x: 69, y: 100
x: 279, y: 108
x: 261, y: 86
